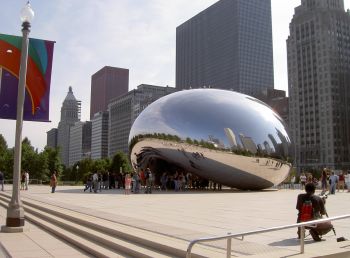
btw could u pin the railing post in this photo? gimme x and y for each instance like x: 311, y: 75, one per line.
x: 302, y: 239
x: 189, y: 250
x: 229, y: 242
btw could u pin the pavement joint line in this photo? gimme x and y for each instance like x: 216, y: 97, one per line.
x: 334, y: 202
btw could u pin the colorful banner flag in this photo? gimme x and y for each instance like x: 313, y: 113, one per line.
x: 37, y: 94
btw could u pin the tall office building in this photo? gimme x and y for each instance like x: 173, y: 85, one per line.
x: 51, y: 138
x: 227, y: 46
x: 124, y: 110
x: 79, y: 142
x: 99, y: 135
x: 106, y: 84
x: 278, y: 101
x: 70, y: 114
x: 319, y: 83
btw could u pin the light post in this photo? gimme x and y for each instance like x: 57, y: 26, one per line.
x: 15, y: 211
x: 76, y: 173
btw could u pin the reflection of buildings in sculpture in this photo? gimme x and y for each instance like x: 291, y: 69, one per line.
x: 281, y: 148
x: 243, y: 169
x: 216, y: 142
x: 248, y: 143
x: 231, y: 138
x: 260, y: 148
x: 268, y: 148
x: 274, y: 142
x: 80, y: 142
x: 125, y: 109
x: 284, y: 144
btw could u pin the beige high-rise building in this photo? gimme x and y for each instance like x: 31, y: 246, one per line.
x: 70, y: 114
x: 318, y: 50
x: 124, y: 110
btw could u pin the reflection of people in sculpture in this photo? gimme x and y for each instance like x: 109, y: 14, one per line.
x: 149, y: 181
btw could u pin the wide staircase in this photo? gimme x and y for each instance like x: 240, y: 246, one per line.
x: 101, y: 237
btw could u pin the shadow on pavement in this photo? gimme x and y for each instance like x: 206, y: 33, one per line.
x: 290, y: 242
x: 121, y: 191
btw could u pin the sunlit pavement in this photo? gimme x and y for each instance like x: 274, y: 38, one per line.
x: 193, y: 214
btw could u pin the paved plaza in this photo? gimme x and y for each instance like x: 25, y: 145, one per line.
x: 185, y: 215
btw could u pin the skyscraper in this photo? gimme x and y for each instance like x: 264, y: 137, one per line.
x: 99, y: 135
x: 51, y: 138
x: 79, y: 142
x: 124, y: 110
x: 70, y: 113
x: 227, y: 46
x: 318, y: 50
x: 106, y: 84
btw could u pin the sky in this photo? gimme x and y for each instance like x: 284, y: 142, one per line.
x: 139, y: 35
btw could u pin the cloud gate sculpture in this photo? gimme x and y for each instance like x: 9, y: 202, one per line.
x: 224, y: 136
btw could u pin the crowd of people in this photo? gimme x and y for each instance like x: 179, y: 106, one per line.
x: 328, y: 182
x: 146, y: 181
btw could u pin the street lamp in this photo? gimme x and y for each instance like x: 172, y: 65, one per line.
x: 76, y: 173
x: 15, y: 211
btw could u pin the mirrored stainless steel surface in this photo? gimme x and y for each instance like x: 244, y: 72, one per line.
x: 224, y: 136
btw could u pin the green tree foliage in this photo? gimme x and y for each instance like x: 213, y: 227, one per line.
x: 101, y: 165
x: 3, y: 144
x: 53, y: 162
x: 120, y: 160
x: 6, y: 158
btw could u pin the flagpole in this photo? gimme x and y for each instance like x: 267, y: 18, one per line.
x: 15, y: 211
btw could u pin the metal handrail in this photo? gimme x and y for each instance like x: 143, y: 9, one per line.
x: 229, y: 236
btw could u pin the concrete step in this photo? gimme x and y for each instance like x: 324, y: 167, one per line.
x: 128, y: 240
x: 79, y: 241
x: 88, y: 235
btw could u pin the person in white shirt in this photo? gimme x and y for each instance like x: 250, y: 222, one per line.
x: 95, y: 182
x: 347, y: 180
x: 26, y: 182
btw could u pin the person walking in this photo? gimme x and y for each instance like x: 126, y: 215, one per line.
x: 127, y: 184
x: 347, y: 180
x: 292, y: 181
x: 26, y: 180
x: 323, y: 179
x: 2, y: 179
x: 333, y: 180
x: 95, y: 182
x: 149, y: 181
x: 136, y: 184
x: 23, y: 180
x: 302, y: 180
x: 341, y: 181
x: 88, y: 184
x: 53, y: 182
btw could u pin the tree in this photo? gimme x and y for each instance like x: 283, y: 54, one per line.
x: 120, y: 160
x: 4, y: 154
x: 3, y: 144
x: 6, y: 158
x: 53, y: 161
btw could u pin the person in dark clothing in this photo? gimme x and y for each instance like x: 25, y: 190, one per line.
x: 318, y: 208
